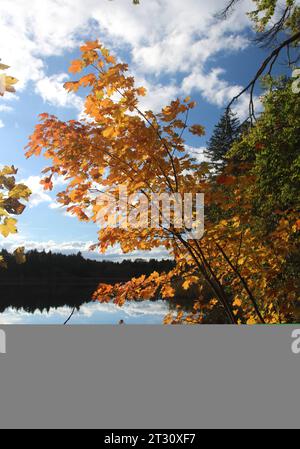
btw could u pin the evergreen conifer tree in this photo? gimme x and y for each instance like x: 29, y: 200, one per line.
x: 225, y: 133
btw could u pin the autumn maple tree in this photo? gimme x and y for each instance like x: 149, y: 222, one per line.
x: 120, y: 144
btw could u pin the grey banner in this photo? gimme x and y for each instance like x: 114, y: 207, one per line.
x: 150, y: 377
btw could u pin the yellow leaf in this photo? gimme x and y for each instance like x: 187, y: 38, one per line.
x: 10, y: 80
x: 109, y: 133
x: 168, y: 292
x: 4, y: 66
x: 168, y: 319
x: 8, y: 227
x: 237, y: 302
x: 251, y: 321
x: 20, y: 191
x: 6, y: 84
x: 186, y: 285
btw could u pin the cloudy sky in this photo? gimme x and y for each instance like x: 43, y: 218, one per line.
x: 174, y: 48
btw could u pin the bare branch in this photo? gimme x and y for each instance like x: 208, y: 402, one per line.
x: 268, y: 62
x: 73, y: 311
x: 228, y: 10
x: 270, y: 36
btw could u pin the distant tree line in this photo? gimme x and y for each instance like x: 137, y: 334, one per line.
x: 46, y: 267
x: 49, y: 280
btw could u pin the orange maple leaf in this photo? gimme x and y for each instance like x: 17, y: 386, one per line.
x: 76, y: 66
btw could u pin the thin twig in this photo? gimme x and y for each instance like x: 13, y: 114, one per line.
x: 271, y: 59
x: 73, y: 311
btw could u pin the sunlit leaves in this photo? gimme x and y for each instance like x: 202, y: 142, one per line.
x: 141, y: 91
x: 11, y: 194
x: 76, y: 66
x: 9, y: 226
x: 121, y: 145
x: 13, y: 197
x: 90, y: 46
x: 168, y: 291
x: 197, y: 130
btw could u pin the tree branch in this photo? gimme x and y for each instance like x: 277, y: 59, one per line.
x: 270, y: 60
x: 73, y: 311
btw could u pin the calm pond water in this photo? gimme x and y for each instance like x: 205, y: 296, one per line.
x: 146, y: 312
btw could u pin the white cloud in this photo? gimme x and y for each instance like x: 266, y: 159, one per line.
x: 53, y: 92
x: 180, y: 48
x: 197, y: 153
x: 39, y: 195
x: 162, y: 37
x: 216, y: 90
x: 1, y: 124
x: 158, y: 95
x: 14, y: 241
x: 55, y: 205
x: 5, y: 108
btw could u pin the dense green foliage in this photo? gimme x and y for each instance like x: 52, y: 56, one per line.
x: 273, y: 147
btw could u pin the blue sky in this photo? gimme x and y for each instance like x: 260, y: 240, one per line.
x: 174, y: 48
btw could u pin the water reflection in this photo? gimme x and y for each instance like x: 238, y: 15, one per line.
x: 146, y: 312
x: 49, y: 286
x: 53, y: 302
